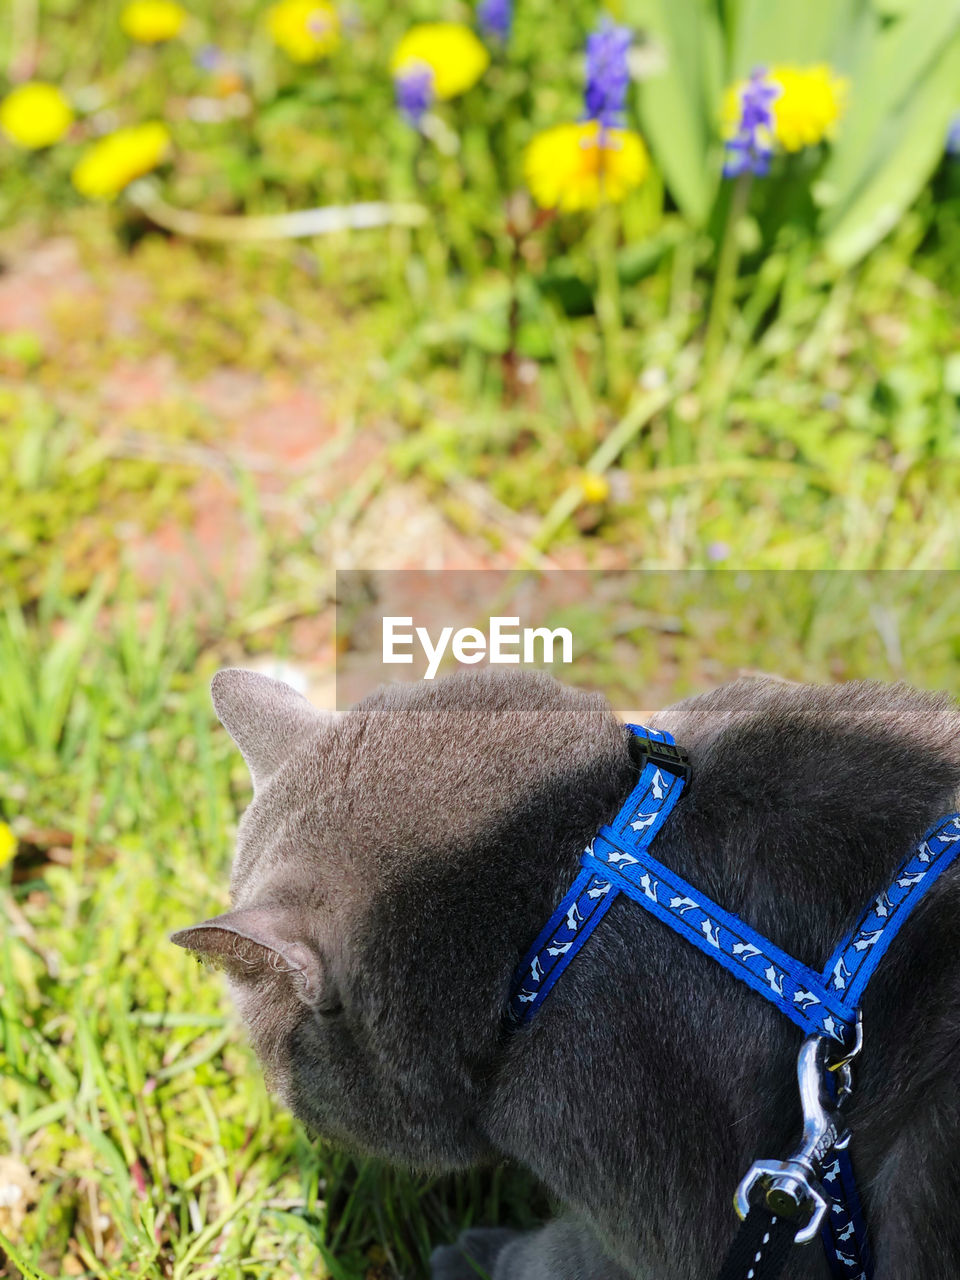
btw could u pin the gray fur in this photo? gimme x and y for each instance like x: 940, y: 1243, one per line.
x: 404, y: 855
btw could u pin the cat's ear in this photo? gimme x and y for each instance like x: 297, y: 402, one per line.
x: 254, y: 940
x: 266, y: 718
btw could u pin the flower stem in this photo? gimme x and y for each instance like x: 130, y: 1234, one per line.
x: 609, y: 312
x: 638, y: 414
x: 511, y: 381
x: 726, y: 277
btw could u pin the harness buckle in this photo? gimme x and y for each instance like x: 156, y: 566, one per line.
x: 793, y: 1188
x: 666, y: 755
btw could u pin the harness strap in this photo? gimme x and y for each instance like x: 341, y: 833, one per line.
x: 585, y: 903
x: 855, y: 959
x: 844, y: 1232
x: 796, y: 990
x: 820, y: 1003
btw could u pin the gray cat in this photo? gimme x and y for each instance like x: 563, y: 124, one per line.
x: 397, y: 861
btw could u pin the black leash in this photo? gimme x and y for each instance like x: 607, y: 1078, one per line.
x: 761, y: 1247
x: 785, y: 1202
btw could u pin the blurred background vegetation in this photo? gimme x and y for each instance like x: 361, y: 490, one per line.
x: 298, y: 321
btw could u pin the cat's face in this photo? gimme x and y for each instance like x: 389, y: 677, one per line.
x: 393, y: 865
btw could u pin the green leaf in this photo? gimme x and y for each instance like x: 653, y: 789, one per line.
x: 895, y: 8
x: 786, y: 31
x: 915, y: 141
x: 894, y: 65
x: 680, y: 105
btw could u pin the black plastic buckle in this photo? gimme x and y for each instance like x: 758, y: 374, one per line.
x: 665, y: 755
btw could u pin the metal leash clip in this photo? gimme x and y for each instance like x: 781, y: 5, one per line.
x: 793, y: 1188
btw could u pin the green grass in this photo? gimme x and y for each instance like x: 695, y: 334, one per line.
x: 127, y: 1089
x: 835, y: 439
x: 825, y: 432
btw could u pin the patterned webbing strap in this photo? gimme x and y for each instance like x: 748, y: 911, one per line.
x: 586, y: 901
x: 844, y: 1231
x: 618, y: 861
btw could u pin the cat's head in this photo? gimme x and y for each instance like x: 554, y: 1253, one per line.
x: 392, y: 867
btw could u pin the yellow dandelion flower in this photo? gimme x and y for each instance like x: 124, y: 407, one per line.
x: 810, y: 104
x: 812, y: 101
x: 575, y: 166
x: 152, y: 21
x: 116, y: 160
x: 306, y: 30
x: 35, y: 115
x: 594, y: 487
x: 454, y: 55
x: 8, y: 844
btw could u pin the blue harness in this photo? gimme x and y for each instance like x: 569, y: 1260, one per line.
x: 816, y: 1183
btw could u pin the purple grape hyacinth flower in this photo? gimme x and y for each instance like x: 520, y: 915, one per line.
x: 751, y: 149
x: 953, y: 137
x: 495, y: 17
x: 414, y: 89
x: 608, y: 75
x: 208, y: 57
